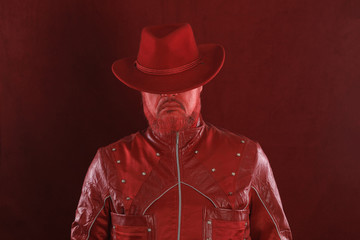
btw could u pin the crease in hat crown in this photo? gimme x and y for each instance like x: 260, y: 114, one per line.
x: 169, y: 47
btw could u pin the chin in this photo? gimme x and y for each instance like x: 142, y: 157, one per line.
x: 171, y: 114
x: 173, y: 122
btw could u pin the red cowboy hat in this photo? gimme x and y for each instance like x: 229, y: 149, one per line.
x: 170, y: 61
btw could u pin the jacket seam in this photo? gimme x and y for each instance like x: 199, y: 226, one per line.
x: 222, y: 189
x: 247, y: 203
x: 272, y: 218
x: 112, y: 201
x: 108, y: 159
x: 97, y: 216
x: 244, y: 152
x: 158, y: 198
x: 201, y: 193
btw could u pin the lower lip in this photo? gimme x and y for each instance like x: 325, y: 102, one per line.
x: 171, y: 108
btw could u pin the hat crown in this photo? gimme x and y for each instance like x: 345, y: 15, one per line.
x: 167, y: 46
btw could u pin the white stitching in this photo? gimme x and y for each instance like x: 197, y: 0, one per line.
x: 97, y: 216
x: 158, y: 198
x: 173, y: 187
x: 200, y: 193
x: 267, y: 211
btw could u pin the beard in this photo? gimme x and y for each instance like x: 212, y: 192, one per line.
x: 170, y: 122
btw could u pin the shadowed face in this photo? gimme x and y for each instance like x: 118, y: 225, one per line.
x: 169, y: 113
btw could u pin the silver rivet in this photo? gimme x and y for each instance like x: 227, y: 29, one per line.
x: 209, y: 222
x: 213, y: 169
x: 246, y: 224
x: 113, y: 227
x: 238, y: 154
x: 149, y: 229
x: 233, y: 173
x: 128, y: 198
x: 123, y: 181
x: 157, y: 154
x: 113, y: 149
x: 143, y: 173
x: 196, y: 152
x: 118, y: 161
x: 242, y: 141
x: 230, y: 193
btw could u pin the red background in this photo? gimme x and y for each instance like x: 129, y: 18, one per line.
x: 290, y: 81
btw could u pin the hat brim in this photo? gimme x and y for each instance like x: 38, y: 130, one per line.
x: 212, y: 58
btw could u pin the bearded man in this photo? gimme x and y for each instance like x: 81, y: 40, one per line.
x: 181, y: 178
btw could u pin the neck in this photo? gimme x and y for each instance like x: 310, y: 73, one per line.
x: 187, y: 136
x: 171, y: 128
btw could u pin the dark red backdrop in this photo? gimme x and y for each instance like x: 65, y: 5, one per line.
x: 290, y: 81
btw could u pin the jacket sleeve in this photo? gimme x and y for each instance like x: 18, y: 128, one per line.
x: 267, y: 217
x: 92, y: 217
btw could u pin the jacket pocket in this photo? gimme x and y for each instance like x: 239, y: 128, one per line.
x: 132, y: 227
x: 225, y: 224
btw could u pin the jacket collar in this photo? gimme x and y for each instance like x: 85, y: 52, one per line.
x: 187, y: 137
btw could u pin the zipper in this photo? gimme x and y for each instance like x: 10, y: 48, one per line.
x: 179, y: 182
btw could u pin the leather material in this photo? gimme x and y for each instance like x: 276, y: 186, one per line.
x: 227, y: 188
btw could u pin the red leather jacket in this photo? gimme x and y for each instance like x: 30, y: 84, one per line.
x: 202, y: 183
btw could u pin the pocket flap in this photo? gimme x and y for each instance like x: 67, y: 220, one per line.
x: 220, y: 223
x: 129, y: 227
x: 227, y: 214
x: 129, y: 220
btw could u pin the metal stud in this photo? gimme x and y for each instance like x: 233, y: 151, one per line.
x: 149, y: 229
x: 238, y: 154
x: 118, y: 161
x: 213, y: 170
x: 123, y: 181
x: 157, y: 154
x: 113, y: 149
x: 242, y: 141
x: 246, y: 224
x: 113, y: 227
x: 230, y: 193
x: 209, y: 222
x: 196, y: 152
x: 128, y: 198
x: 233, y: 173
x: 143, y: 173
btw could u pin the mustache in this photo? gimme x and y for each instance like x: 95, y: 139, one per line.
x: 163, y: 102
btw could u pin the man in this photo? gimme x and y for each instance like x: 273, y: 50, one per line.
x: 181, y: 178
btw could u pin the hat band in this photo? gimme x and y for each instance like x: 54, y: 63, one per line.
x: 167, y: 71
